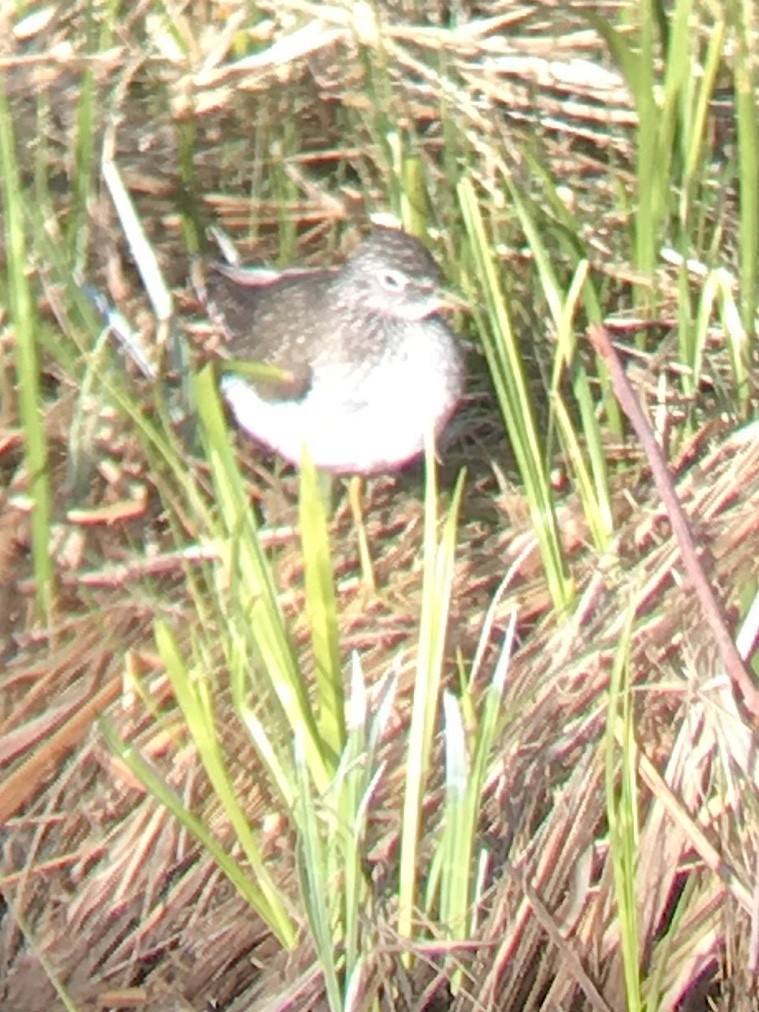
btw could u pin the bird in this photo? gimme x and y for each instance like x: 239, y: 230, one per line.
x: 362, y: 362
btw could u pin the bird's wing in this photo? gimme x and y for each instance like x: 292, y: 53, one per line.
x: 247, y: 307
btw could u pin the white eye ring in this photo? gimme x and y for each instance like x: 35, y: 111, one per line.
x: 393, y: 281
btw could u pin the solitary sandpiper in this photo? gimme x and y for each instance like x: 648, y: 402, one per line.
x: 365, y: 365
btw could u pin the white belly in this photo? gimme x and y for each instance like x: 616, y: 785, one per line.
x: 354, y: 422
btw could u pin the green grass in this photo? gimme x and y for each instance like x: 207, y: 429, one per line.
x: 27, y: 365
x: 311, y: 716
x: 433, y: 624
x: 622, y: 814
x: 516, y: 403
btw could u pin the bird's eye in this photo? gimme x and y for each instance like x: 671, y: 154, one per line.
x: 393, y: 281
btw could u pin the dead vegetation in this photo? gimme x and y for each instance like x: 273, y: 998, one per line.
x: 102, y: 890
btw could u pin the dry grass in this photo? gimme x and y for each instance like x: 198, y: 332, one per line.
x: 100, y: 886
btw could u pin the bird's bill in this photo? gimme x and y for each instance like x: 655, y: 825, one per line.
x: 449, y: 300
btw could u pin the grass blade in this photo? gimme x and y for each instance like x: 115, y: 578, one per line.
x: 436, y: 591
x: 27, y: 364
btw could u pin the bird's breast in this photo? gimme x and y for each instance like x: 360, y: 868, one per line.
x: 366, y: 411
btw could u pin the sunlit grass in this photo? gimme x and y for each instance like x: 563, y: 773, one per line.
x: 516, y: 402
x: 433, y: 624
x: 677, y: 175
x: 622, y: 815
x: 27, y: 365
x: 312, y: 716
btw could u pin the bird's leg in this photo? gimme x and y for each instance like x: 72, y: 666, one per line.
x: 356, y: 486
